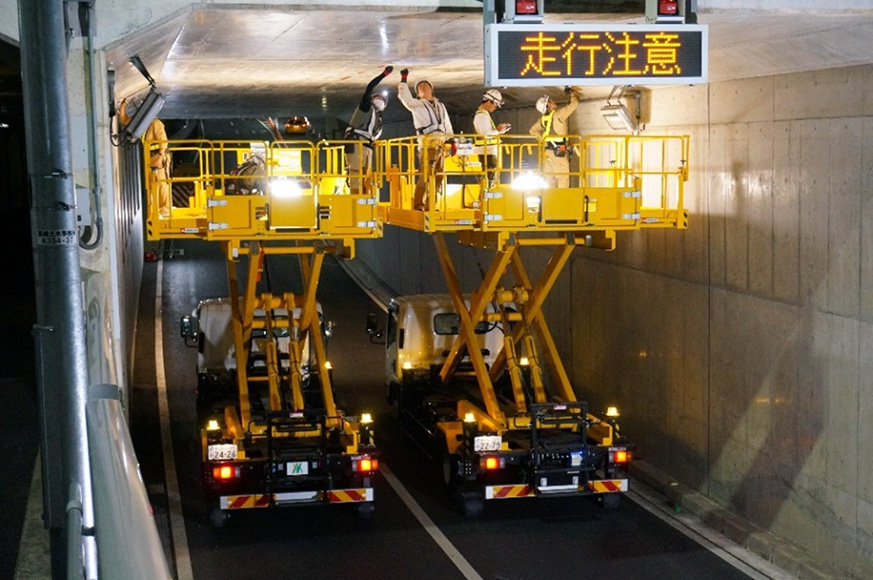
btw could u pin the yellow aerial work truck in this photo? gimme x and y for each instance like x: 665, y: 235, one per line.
x: 270, y: 429
x: 512, y: 439
x: 476, y: 377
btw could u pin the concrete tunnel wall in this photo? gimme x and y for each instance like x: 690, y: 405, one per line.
x: 738, y: 350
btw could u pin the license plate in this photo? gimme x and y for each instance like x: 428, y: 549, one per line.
x: 486, y: 443
x: 221, y: 452
x: 298, y: 468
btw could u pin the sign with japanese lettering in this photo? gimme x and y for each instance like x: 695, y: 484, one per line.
x: 56, y: 237
x: 518, y: 55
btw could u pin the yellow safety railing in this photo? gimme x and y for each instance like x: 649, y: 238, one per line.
x: 518, y: 181
x: 300, y: 189
x: 257, y: 189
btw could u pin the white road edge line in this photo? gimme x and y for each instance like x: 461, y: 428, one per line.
x: 737, y: 556
x: 174, y: 498
x: 431, y: 528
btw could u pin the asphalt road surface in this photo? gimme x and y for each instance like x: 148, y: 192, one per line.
x: 417, y: 534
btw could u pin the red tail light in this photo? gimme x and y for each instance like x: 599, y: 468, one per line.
x: 365, y: 464
x: 224, y: 472
x: 490, y: 462
x: 620, y: 456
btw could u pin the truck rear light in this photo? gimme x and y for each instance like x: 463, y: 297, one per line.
x: 225, y: 472
x: 365, y: 464
x: 620, y: 456
x: 491, y: 462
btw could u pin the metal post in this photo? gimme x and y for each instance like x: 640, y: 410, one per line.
x: 62, y: 374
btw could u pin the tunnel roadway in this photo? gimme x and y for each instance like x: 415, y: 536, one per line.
x: 416, y: 533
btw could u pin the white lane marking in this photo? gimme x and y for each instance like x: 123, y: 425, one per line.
x: 737, y: 556
x: 174, y: 498
x: 431, y: 528
x: 34, y: 553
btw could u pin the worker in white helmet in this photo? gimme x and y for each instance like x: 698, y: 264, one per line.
x: 552, y: 127
x: 365, y: 126
x: 160, y: 159
x: 484, y: 125
x: 432, y: 124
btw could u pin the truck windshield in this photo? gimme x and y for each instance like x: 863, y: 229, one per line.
x: 450, y: 323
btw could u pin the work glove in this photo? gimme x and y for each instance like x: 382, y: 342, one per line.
x: 403, y: 74
x: 387, y: 71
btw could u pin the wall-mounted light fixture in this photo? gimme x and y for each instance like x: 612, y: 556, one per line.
x: 147, y: 110
x: 617, y: 114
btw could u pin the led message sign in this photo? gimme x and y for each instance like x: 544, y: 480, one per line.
x: 519, y: 55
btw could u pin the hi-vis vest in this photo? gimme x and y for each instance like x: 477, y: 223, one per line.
x: 488, y: 140
x: 373, y: 129
x: 552, y: 141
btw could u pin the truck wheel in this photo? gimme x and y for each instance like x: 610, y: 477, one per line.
x: 392, y: 392
x: 473, y: 506
x: 450, y: 471
x: 365, y: 510
x: 217, y: 518
x: 610, y: 501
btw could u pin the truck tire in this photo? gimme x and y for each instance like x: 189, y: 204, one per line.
x: 473, y: 505
x: 610, y: 501
x: 365, y: 510
x: 450, y: 471
x: 217, y: 518
x: 392, y: 392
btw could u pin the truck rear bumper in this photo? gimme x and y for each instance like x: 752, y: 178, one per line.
x: 265, y: 500
x: 524, y: 490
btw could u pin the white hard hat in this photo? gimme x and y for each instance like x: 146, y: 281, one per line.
x: 543, y: 104
x: 379, y: 101
x: 494, y: 96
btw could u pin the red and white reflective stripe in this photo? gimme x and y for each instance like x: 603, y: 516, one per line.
x: 508, y: 491
x: 236, y: 502
x: 608, y: 485
x: 350, y: 495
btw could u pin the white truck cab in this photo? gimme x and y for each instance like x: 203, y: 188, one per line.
x: 419, y: 335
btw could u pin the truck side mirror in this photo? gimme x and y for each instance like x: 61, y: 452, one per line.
x: 188, y: 330
x: 373, y: 329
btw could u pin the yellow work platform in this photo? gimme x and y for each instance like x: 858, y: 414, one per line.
x: 286, y: 190
x: 610, y: 183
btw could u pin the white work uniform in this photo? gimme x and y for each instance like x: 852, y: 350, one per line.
x: 484, y: 125
x: 428, y: 117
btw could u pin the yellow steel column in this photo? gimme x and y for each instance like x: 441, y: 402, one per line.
x: 323, y: 374
x: 535, y: 317
x: 239, y: 348
x: 533, y: 314
x: 294, y: 349
x: 468, y: 331
x: 274, y: 363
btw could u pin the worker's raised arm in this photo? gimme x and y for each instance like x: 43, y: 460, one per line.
x: 403, y: 92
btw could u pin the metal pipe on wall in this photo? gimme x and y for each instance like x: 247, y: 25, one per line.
x: 62, y: 374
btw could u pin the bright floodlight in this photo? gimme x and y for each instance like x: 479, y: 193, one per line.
x: 283, y: 187
x: 528, y: 181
